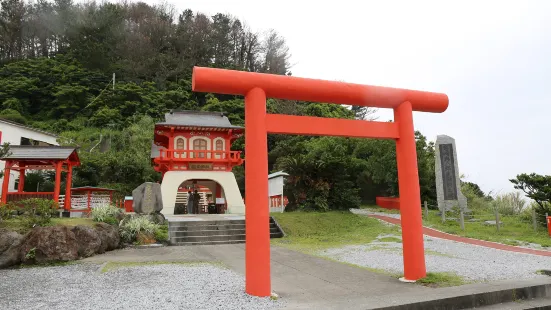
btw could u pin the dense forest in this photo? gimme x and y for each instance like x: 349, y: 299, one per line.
x: 100, y: 74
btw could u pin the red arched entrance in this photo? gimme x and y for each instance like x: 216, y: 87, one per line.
x: 256, y: 87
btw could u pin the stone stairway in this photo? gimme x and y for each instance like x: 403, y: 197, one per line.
x: 213, y: 232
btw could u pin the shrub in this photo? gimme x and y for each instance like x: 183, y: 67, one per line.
x: 36, y: 211
x: 107, y: 214
x: 161, y: 235
x: 6, y: 211
x: 477, y: 204
x: 138, y: 225
x: 509, y: 204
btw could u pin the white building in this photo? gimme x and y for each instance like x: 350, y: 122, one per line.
x: 276, y: 182
x: 17, y: 134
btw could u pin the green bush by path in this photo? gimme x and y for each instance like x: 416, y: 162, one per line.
x: 139, y: 229
x: 107, y: 214
x: 311, y: 231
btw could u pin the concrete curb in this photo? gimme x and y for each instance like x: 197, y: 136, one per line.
x: 461, y: 297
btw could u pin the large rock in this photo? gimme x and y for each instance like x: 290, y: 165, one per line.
x: 147, y: 198
x: 49, y: 244
x: 109, y: 236
x: 10, y: 244
x: 88, y: 239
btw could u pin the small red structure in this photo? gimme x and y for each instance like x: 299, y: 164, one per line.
x: 549, y: 225
x: 388, y: 202
x: 128, y: 204
x: 256, y: 87
x: 89, y: 196
x: 22, y: 158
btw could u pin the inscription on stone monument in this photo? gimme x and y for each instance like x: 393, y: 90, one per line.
x: 448, y: 171
x: 448, y: 191
x: 148, y: 199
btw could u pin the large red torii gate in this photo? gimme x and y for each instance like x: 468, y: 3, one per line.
x: 256, y: 87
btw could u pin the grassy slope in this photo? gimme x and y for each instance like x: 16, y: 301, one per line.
x: 512, y: 230
x: 311, y: 231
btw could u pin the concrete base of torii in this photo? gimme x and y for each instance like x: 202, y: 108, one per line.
x: 173, y: 179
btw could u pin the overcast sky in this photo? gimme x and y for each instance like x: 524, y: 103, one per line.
x: 492, y: 58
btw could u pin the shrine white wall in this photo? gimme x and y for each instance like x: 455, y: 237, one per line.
x: 173, y: 179
x: 12, y: 133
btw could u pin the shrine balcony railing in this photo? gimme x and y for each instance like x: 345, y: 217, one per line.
x: 200, y: 156
x: 13, y: 197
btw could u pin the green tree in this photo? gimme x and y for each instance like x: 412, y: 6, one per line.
x: 538, y: 188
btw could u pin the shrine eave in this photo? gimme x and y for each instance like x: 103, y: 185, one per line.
x: 200, y: 128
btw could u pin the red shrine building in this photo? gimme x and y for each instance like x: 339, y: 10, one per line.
x: 192, y: 150
x: 30, y: 158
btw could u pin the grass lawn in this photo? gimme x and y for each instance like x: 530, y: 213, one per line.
x: 19, y: 225
x: 312, y: 231
x: 513, y: 229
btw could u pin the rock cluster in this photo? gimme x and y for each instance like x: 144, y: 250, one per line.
x: 56, y: 244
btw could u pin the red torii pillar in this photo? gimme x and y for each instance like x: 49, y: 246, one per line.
x: 256, y: 87
x: 6, y: 181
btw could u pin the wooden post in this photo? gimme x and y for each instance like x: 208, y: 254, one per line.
x: 426, y: 210
x: 497, y: 219
x: 6, y: 182
x: 89, y: 200
x: 57, y: 186
x: 534, y: 220
x: 21, y: 186
x: 68, y: 185
x: 461, y: 219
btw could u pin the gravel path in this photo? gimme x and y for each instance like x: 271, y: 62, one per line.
x: 471, y: 262
x: 169, y: 286
x: 368, y: 212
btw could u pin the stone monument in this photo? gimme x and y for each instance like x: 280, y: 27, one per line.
x: 448, y: 185
x: 147, y: 199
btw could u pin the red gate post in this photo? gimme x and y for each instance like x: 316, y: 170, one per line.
x: 410, y: 198
x: 6, y: 182
x: 257, y: 223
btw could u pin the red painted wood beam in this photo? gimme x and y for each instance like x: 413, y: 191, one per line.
x: 319, y: 126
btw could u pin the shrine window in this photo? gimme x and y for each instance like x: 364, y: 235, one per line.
x: 200, y: 145
x: 219, y: 145
x: 180, y: 143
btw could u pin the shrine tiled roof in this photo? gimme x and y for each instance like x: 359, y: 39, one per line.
x: 198, y: 119
x: 39, y: 152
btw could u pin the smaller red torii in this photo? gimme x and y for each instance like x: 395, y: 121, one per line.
x: 30, y: 157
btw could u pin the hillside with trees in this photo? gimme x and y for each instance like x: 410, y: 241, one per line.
x: 101, y: 74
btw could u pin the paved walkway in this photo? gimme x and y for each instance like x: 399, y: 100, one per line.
x: 300, y: 279
x: 438, y: 234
